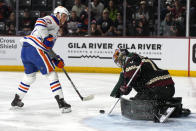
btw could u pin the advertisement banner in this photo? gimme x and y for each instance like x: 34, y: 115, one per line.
x: 168, y: 53
x: 10, y: 49
x: 193, y: 54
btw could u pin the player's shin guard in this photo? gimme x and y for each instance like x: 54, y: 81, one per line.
x: 24, y: 85
x: 57, y: 91
x: 55, y: 85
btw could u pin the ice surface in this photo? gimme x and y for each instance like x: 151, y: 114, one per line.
x: 40, y: 112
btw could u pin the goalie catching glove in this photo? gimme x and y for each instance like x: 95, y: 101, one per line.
x: 58, y: 61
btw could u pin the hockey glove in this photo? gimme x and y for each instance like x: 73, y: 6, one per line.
x: 58, y: 62
x: 125, y: 90
x: 49, y: 41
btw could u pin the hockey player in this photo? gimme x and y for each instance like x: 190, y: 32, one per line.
x: 150, y: 82
x: 37, y: 55
x: 147, y: 79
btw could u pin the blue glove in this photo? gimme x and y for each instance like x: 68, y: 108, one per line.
x: 49, y: 41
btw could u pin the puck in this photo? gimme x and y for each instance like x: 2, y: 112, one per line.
x: 102, y: 111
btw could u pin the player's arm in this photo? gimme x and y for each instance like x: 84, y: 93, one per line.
x: 131, y: 66
x: 116, y: 90
x: 42, y: 31
x: 57, y: 60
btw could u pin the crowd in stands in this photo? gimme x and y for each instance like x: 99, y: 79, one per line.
x: 106, y: 17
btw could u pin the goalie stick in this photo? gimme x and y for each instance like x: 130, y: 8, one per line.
x: 90, y: 97
x: 112, y: 108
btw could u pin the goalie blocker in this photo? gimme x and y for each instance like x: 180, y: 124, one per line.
x: 154, y: 110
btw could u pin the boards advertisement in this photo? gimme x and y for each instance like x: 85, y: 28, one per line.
x: 97, y: 52
x: 90, y: 52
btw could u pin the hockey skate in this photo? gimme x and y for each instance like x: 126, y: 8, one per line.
x: 166, y: 115
x: 63, y: 106
x: 17, y: 101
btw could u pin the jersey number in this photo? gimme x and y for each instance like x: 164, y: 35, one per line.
x: 48, y: 21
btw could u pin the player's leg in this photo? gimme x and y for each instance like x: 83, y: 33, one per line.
x: 46, y: 67
x: 29, y: 76
x: 23, y: 88
x: 57, y: 91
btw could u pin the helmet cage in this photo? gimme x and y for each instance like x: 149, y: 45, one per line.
x: 119, y: 57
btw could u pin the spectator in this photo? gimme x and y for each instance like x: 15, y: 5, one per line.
x: 10, y: 24
x: 11, y: 29
x: 178, y: 10
x: 145, y: 25
x: 78, y: 7
x: 112, y: 10
x: 105, y: 24
x: 131, y: 30
x: 179, y: 18
x: 118, y: 25
x: 72, y: 25
x: 96, y: 9
x: 4, y: 11
x: 143, y: 11
x: 94, y: 31
x: 26, y: 23
x: 167, y: 26
x: 139, y: 28
x: 83, y: 23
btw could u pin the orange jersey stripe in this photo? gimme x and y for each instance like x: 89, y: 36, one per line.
x: 39, y: 21
x: 48, y: 64
x: 38, y: 41
x: 55, y: 86
x: 23, y: 87
x: 50, y: 39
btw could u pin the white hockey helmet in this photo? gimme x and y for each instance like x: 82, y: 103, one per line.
x: 61, y: 10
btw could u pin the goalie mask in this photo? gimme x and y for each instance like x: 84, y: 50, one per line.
x: 119, y: 57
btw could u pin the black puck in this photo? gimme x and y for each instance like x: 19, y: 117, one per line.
x: 102, y: 111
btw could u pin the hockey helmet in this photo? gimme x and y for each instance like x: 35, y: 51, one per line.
x: 61, y: 10
x: 119, y: 56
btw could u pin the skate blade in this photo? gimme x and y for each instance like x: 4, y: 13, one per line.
x: 169, y: 111
x: 67, y: 110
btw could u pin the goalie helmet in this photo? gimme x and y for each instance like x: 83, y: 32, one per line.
x: 61, y: 10
x: 119, y: 57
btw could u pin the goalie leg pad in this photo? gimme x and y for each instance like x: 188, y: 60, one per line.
x: 179, y: 110
x: 139, y: 109
x: 151, y: 109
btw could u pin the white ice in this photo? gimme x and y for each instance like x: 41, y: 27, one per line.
x: 41, y: 113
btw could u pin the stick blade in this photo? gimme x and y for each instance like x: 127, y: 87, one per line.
x: 87, y: 98
x: 169, y: 111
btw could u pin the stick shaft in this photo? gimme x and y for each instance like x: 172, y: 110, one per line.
x: 127, y: 86
x: 134, y: 74
x: 72, y: 84
x: 113, y: 106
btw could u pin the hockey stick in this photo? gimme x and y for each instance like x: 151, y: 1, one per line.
x: 90, y: 97
x: 127, y: 86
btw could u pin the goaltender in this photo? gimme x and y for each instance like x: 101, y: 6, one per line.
x: 149, y: 81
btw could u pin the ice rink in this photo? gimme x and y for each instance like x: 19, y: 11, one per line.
x: 41, y: 113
